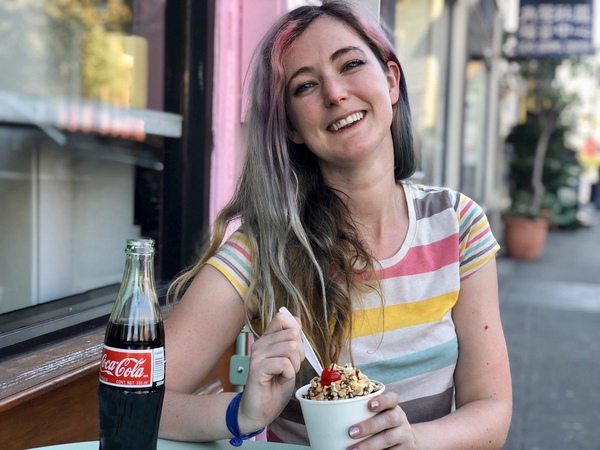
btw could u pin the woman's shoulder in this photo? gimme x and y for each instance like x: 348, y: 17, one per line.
x: 441, y: 195
x: 237, y: 241
x: 425, y: 190
x: 430, y: 200
x: 234, y: 260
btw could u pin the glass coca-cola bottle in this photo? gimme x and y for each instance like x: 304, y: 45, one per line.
x: 132, y: 371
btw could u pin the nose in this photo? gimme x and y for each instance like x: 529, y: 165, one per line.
x: 334, y: 91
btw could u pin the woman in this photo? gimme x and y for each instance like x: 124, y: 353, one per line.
x: 398, y: 279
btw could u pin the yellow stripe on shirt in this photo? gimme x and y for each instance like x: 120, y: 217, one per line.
x: 373, y: 321
x: 475, y: 264
x: 242, y: 289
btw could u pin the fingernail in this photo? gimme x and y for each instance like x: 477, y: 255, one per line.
x: 374, y: 404
x: 353, y: 431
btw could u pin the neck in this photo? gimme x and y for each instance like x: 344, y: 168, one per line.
x: 379, y: 209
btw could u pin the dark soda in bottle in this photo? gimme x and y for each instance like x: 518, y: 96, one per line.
x: 132, y: 368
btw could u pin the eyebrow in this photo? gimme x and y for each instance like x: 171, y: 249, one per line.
x: 335, y: 55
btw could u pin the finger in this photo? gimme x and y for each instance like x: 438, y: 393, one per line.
x: 387, y: 400
x: 278, y: 369
x: 282, y: 321
x: 392, y: 438
x: 390, y: 418
x: 264, y: 345
x: 265, y: 342
x: 288, y: 334
x: 290, y: 349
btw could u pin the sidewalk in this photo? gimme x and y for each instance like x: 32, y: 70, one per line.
x: 551, y: 315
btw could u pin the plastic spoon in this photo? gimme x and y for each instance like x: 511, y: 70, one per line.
x: 308, y: 350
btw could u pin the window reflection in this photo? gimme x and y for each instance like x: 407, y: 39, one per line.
x: 81, y: 153
x: 67, y: 212
x: 72, y: 47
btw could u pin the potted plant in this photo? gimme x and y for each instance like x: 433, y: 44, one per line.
x: 535, y: 178
x: 537, y: 145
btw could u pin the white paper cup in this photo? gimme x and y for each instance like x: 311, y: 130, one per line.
x: 328, y: 421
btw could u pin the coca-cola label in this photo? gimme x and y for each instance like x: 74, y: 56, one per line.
x: 132, y: 368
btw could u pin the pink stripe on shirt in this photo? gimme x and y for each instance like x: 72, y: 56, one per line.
x: 425, y: 258
x: 240, y: 249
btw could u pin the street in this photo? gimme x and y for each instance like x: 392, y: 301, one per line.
x: 551, y: 315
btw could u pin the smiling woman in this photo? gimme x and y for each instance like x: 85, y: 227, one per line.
x: 337, y: 84
x: 396, y: 278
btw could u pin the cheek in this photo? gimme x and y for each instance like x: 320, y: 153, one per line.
x: 293, y: 114
x: 295, y: 125
x: 300, y: 115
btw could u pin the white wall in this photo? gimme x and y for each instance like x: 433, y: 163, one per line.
x: 85, y: 217
x: 64, y: 220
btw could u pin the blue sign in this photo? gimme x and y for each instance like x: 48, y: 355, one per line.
x: 556, y: 28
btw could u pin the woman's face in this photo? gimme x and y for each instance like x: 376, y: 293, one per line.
x: 338, y: 97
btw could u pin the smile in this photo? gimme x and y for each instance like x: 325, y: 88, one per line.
x: 352, y: 118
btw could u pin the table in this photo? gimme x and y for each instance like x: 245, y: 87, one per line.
x: 164, y: 444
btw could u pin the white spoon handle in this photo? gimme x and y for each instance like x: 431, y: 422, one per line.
x: 308, y: 350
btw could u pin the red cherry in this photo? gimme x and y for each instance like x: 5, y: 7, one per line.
x: 330, y: 375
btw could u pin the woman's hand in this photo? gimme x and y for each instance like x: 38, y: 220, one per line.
x: 274, y: 362
x: 389, y: 429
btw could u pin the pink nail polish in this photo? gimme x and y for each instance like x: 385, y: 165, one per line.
x: 374, y: 404
x: 353, y: 431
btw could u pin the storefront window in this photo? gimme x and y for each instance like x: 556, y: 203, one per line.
x: 82, y: 130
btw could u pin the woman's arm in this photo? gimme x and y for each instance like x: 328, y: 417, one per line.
x: 482, y: 379
x: 482, y: 376
x: 202, y: 326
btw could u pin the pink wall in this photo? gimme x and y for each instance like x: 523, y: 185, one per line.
x: 239, y: 26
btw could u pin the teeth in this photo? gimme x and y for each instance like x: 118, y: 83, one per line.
x: 347, y: 121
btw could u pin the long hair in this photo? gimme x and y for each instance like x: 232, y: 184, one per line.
x: 305, y: 248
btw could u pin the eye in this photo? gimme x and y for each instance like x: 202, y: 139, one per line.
x: 300, y: 89
x: 353, y: 64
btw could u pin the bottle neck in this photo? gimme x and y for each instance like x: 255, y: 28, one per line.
x: 139, y: 272
x: 137, y: 302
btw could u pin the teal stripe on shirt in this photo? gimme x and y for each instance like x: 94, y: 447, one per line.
x: 235, y: 255
x: 466, y: 220
x: 412, y: 365
x: 484, y: 242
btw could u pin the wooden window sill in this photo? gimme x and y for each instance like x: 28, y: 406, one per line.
x: 25, y: 376
x: 48, y: 396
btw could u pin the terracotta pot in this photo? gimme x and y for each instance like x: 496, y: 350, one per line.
x: 525, y: 238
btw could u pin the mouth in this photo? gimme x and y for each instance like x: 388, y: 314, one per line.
x: 346, y: 121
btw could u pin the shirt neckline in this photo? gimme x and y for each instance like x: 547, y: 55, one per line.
x: 410, y: 234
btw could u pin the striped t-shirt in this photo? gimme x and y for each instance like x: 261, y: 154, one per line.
x: 410, y: 344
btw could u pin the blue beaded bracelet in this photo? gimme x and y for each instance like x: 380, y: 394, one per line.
x: 231, y: 419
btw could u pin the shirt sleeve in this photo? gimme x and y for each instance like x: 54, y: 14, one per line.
x: 233, y: 259
x: 477, y: 244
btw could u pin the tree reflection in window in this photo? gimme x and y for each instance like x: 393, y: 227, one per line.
x: 79, y: 48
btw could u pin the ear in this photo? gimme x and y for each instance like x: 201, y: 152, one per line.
x: 393, y: 78
x: 293, y: 135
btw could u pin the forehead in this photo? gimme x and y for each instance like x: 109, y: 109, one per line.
x: 319, y: 41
